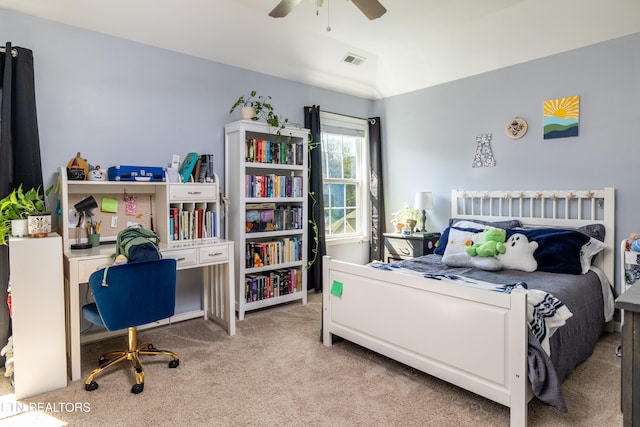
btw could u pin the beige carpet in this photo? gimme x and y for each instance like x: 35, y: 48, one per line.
x: 275, y: 371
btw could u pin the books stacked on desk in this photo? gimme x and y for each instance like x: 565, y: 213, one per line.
x: 197, y: 167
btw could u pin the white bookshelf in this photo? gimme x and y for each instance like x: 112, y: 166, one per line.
x: 281, y: 160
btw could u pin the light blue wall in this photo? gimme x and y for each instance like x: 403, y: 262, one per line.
x: 429, y: 135
x: 119, y: 102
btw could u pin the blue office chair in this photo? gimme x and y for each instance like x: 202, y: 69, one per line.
x: 127, y: 296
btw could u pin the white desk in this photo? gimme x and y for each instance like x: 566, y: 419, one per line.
x: 218, y: 289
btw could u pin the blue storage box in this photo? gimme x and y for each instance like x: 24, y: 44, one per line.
x: 136, y: 173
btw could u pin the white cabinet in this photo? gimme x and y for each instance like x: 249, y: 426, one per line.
x: 38, y: 319
x: 266, y: 181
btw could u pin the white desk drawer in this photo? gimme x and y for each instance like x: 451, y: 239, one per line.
x: 195, y: 192
x: 214, y: 254
x: 86, y: 267
x: 183, y: 257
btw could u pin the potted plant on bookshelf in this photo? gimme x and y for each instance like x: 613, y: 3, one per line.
x: 23, y: 213
x: 256, y: 107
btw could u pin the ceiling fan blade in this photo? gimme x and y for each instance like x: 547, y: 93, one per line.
x: 371, y: 8
x: 283, y: 8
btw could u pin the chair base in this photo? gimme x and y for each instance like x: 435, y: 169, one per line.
x: 133, y: 354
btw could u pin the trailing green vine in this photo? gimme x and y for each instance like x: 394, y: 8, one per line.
x: 312, y: 220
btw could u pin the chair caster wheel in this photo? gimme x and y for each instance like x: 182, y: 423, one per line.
x: 91, y: 386
x: 174, y: 363
x: 137, y: 388
x: 102, y: 361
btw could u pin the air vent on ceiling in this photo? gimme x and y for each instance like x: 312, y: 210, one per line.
x: 351, y: 58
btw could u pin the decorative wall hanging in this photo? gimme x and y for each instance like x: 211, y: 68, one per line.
x: 516, y: 128
x: 561, y: 117
x: 131, y: 205
x: 484, y: 153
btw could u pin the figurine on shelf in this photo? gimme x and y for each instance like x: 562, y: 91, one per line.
x: 97, y: 174
x: 633, y: 242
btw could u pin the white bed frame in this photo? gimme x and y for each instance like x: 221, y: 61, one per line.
x: 472, y: 338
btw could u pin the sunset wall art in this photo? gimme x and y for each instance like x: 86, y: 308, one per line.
x: 561, y: 117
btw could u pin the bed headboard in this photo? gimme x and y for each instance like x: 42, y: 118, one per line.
x: 550, y: 208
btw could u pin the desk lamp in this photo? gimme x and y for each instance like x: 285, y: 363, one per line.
x: 84, y: 208
x: 422, y: 202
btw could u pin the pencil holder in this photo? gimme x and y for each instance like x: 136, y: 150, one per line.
x: 94, y: 239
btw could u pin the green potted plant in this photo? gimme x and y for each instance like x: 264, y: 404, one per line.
x: 256, y: 107
x: 17, y: 208
x: 405, y: 217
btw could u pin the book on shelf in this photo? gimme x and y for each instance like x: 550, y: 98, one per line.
x: 206, y: 168
x: 273, y: 252
x: 192, y: 224
x: 273, y: 284
x: 203, y: 169
x: 174, y: 221
x: 187, y: 166
x: 273, y: 186
x: 196, y: 170
x: 264, y: 151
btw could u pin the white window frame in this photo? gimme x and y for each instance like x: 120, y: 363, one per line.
x: 364, y: 223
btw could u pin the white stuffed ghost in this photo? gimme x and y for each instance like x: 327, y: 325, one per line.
x: 519, y: 254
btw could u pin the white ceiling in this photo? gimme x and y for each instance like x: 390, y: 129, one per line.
x: 416, y: 44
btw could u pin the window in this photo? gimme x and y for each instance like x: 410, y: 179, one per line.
x: 345, y: 176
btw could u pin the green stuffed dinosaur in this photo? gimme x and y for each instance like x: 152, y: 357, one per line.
x: 493, y: 244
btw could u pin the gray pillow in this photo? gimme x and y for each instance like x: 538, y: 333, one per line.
x: 597, y: 231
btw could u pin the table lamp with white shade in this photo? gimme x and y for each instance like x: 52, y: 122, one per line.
x: 422, y: 202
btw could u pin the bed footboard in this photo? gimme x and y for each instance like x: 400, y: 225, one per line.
x: 433, y: 327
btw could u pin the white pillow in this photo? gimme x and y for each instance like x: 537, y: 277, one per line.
x: 519, y: 253
x: 460, y: 240
x: 588, y: 251
x: 463, y: 259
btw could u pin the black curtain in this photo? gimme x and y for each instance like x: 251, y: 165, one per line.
x: 19, y: 147
x: 316, y: 242
x: 376, y: 196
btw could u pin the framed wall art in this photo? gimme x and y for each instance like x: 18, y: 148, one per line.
x: 561, y: 117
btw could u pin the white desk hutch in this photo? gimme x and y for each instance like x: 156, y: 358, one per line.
x: 153, y: 201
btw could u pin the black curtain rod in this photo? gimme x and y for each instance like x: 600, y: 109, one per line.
x: 347, y: 115
x: 14, y: 52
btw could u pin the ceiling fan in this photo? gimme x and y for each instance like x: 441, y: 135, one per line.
x: 371, y: 8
